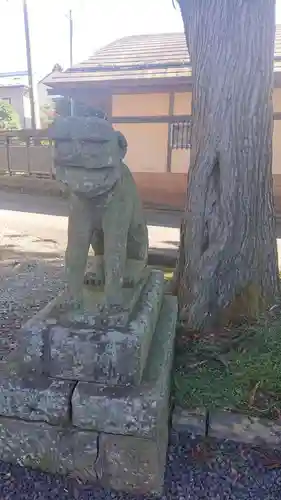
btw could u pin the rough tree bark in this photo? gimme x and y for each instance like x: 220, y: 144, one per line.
x: 227, y: 266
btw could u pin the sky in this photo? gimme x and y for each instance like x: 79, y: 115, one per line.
x: 96, y: 23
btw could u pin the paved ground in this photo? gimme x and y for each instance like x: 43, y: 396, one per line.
x: 35, y: 225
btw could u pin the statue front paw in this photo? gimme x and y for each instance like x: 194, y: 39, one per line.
x: 74, y: 300
x: 133, y: 272
x: 130, y: 281
x: 113, y: 295
x: 93, y: 279
x: 95, y: 276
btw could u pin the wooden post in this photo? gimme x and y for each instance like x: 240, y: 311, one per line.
x: 8, y: 154
x: 169, y: 146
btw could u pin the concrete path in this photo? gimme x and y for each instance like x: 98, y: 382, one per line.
x: 31, y: 225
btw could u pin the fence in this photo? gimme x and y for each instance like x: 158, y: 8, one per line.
x: 31, y: 152
x: 27, y: 152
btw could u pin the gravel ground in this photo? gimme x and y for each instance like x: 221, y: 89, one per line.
x: 196, y: 469
x: 223, y: 471
x: 26, y: 287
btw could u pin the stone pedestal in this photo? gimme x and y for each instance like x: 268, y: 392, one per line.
x: 90, y: 395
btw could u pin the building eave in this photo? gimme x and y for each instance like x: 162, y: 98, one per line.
x: 153, y: 85
x: 123, y: 86
x: 23, y: 87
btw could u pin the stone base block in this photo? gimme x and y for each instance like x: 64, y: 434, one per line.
x: 48, y: 448
x: 117, y: 436
x: 123, y: 463
x: 36, y: 398
x: 130, y: 464
x: 138, y: 411
x: 93, y: 352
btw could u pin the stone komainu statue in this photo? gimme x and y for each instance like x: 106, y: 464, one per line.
x: 105, y: 208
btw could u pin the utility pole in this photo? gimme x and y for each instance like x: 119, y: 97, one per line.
x: 70, y: 38
x: 71, y: 53
x: 29, y: 64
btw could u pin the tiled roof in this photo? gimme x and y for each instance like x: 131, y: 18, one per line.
x: 141, y: 50
x: 138, y: 57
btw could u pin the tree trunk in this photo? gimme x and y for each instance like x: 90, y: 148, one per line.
x: 227, y: 266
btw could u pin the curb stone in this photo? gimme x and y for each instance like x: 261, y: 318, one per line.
x: 32, y: 185
x: 192, y: 421
x: 160, y: 258
x: 227, y: 425
x: 245, y: 429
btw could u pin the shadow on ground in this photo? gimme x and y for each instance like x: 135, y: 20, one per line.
x: 10, y: 255
x: 48, y: 205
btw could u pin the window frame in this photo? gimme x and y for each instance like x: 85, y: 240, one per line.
x: 180, y: 134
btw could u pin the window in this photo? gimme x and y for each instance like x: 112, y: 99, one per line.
x: 8, y: 100
x: 180, y: 135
